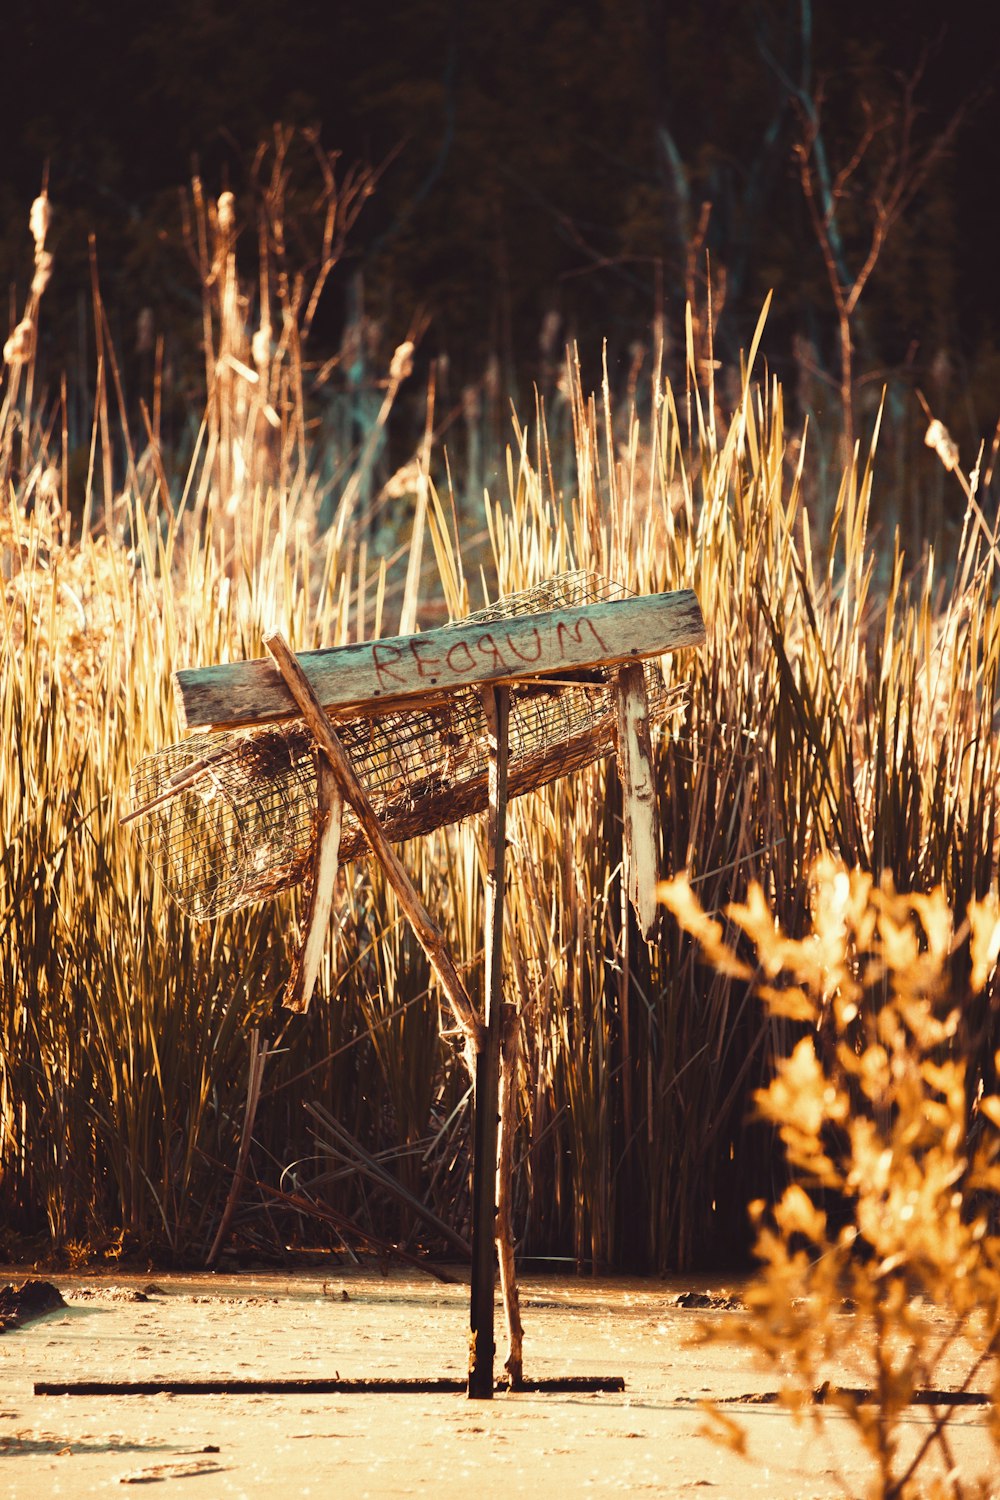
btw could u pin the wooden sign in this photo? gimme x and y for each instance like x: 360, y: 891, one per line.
x: 604, y: 641
x: 372, y: 675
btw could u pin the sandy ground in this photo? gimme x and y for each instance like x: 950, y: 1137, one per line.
x: 354, y: 1324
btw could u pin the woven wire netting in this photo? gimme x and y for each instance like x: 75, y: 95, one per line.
x: 564, y: 591
x: 227, y: 819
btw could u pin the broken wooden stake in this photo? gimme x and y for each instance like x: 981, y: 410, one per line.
x: 329, y: 821
x: 635, y: 771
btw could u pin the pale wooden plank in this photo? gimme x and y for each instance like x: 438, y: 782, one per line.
x: 438, y: 661
x: 329, y: 823
x: 635, y: 769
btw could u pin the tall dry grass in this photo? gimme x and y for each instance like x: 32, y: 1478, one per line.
x: 879, y: 1263
x: 843, y: 701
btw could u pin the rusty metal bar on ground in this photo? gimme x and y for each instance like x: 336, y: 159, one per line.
x: 374, y: 1385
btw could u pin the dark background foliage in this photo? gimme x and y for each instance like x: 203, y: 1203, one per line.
x: 542, y: 166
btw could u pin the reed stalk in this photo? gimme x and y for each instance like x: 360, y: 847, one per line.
x: 841, y: 704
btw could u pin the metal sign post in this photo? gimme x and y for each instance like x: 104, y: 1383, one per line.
x: 486, y: 1094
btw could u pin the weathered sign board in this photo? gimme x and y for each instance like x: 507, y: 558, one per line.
x: 373, y: 675
x: 602, y: 643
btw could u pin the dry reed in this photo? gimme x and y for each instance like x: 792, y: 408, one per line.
x: 828, y: 711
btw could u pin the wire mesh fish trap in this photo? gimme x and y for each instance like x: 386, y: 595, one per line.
x: 227, y: 819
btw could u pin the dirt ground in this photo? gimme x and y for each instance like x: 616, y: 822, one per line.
x: 360, y: 1324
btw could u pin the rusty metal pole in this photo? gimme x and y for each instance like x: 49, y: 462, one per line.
x: 487, y: 1084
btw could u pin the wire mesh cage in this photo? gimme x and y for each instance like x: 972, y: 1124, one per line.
x: 229, y: 818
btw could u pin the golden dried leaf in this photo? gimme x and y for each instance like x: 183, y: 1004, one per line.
x: 677, y: 896
x: 984, y: 941
x: 937, y: 921
x: 900, y: 949
x: 797, y: 1214
x: 793, y: 1003
x: 721, y: 1428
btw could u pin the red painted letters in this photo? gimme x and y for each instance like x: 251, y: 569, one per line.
x: 384, y: 657
x: 564, y: 632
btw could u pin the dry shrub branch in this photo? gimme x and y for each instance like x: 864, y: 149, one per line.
x: 882, y: 1254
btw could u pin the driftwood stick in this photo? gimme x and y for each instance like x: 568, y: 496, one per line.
x: 255, y: 1077
x: 510, y: 1056
x: 329, y: 821
x: 160, y: 800
x: 635, y: 769
x: 175, y: 784
x: 428, y: 933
